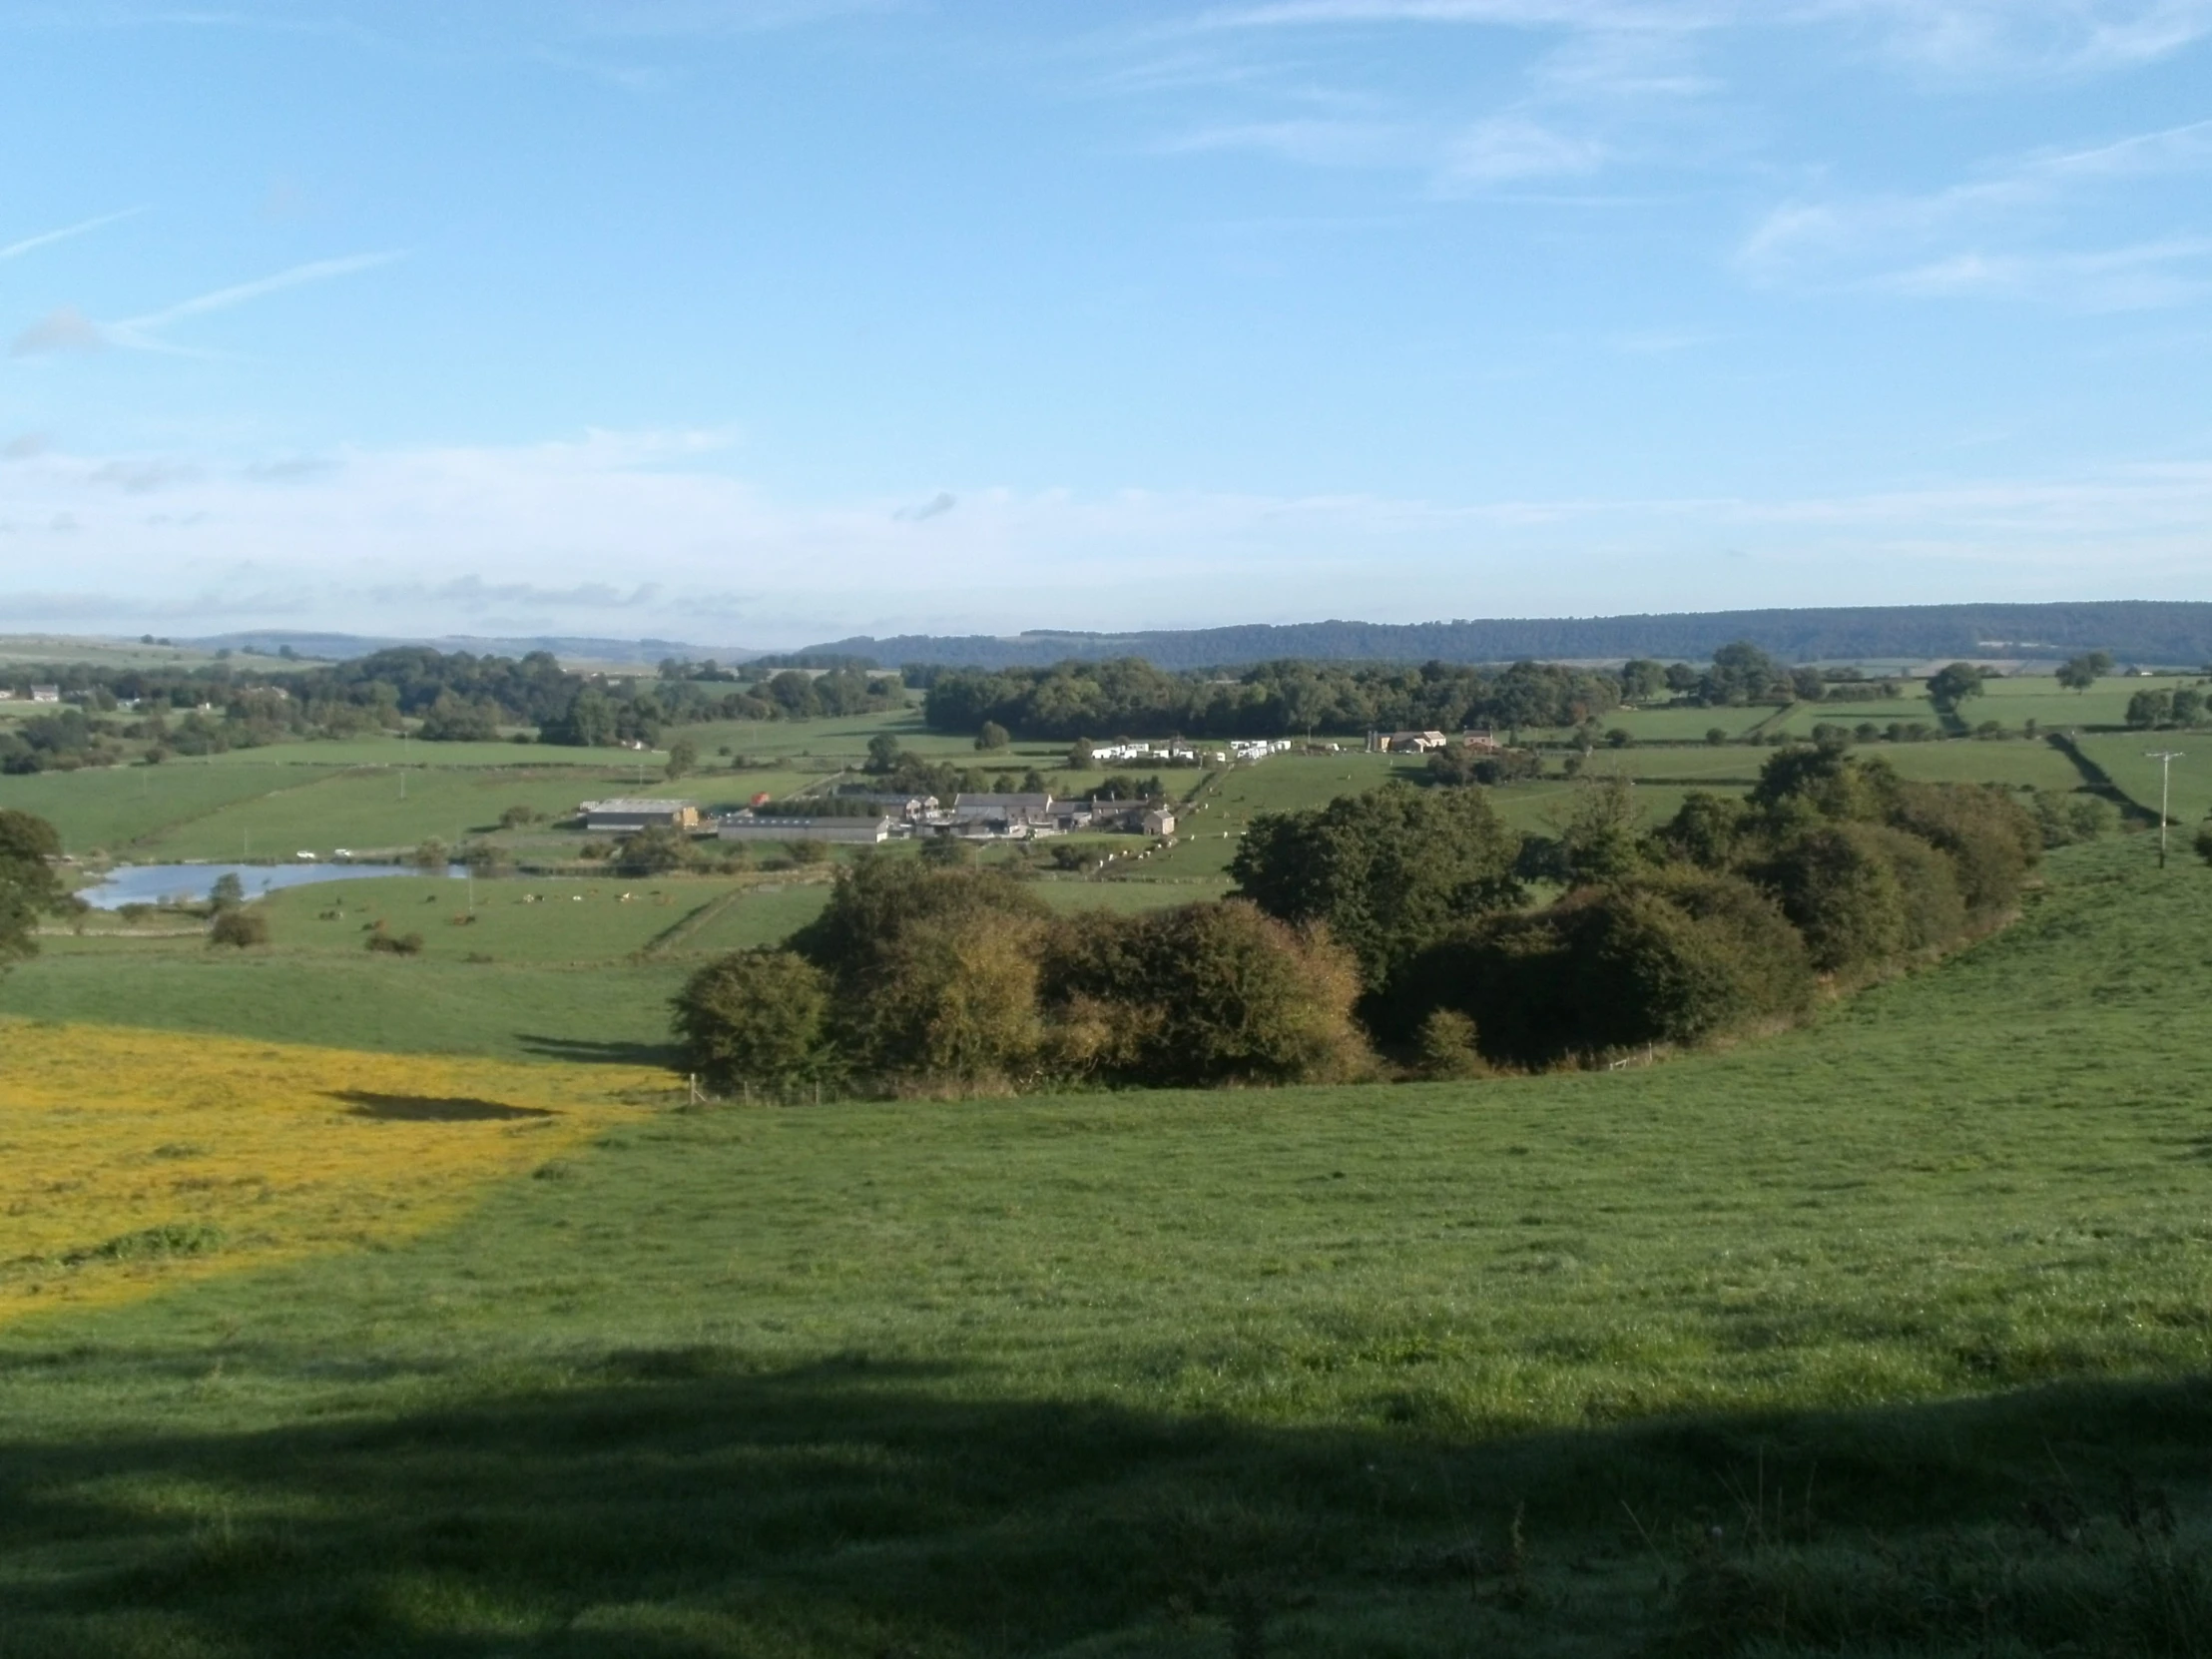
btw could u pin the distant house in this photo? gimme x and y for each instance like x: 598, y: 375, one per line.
x: 626, y: 817
x: 46, y: 694
x: 1159, y: 822
x: 1484, y: 739
x: 860, y: 831
x: 1406, y: 743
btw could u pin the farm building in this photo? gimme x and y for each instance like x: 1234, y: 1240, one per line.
x: 1159, y: 822
x: 46, y: 694
x: 1013, y: 811
x: 1406, y: 743
x: 857, y: 832
x: 623, y: 817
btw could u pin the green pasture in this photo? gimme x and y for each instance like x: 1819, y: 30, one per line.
x: 439, y: 1003
x: 513, y: 919
x: 367, y: 810
x: 2017, y: 763
x: 380, y: 750
x: 111, y: 807
x: 1882, y: 1338
x: 1667, y: 724
x: 2126, y: 760
x: 1881, y: 711
x: 2042, y: 700
x: 49, y: 650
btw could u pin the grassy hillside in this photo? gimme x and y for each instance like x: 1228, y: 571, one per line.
x: 1878, y: 1337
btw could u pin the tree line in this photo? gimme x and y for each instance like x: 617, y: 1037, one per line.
x: 1394, y: 927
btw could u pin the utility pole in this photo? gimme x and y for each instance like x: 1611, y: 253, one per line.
x: 2165, y: 758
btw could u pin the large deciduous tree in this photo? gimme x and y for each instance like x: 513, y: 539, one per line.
x: 29, y: 889
x: 1389, y: 872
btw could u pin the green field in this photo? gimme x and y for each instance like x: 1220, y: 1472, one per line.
x: 2128, y: 761
x: 1879, y: 1337
x: 108, y: 808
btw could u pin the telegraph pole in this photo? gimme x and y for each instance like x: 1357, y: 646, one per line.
x: 2165, y: 758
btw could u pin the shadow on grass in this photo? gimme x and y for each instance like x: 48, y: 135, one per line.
x: 587, y: 1052
x: 415, y: 1108
x: 675, y: 1502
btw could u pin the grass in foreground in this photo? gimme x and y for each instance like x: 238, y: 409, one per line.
x: 1878, y: 1337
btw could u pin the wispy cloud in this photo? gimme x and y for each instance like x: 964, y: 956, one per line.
x: 1509, y: 148
x: 16, y: 249
x: 134, y: 330
x: 2001, y: 234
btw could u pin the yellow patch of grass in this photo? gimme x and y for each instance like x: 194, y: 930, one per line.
x: 133, y: 1159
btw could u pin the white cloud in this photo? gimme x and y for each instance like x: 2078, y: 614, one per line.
x: 645, y: 534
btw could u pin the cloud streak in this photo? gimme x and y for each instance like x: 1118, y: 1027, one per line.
x: 134, y: 330
x: 46, y: 238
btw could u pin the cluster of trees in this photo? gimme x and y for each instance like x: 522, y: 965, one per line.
x: 61, y: 741
x: 1129, y: 697
x: 929, y: 977
x: 455, y: 697
x: 1726, y: 916
x: 2181, y: 706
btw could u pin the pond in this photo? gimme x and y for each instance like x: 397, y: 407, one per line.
x: 194, y: 884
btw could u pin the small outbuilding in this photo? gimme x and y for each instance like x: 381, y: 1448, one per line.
x: 622, y: 817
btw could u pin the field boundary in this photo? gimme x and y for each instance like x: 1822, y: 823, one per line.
x: 2099, y: 782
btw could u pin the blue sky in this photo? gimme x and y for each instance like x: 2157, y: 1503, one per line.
x: 759, y: 322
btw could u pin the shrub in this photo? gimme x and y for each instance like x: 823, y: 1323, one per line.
x: 238, y: 928
x: 1446, y: 1046
x: 2203, y: 842
x: 1837, y: 885
x: 1204, y: 994
x: 757, y: 1017
x: 654, y: 850
x: 934, y: 969
x: 1676, y: 957
x: 1993, y: 839
x: 394, y: 944
x: 806, y: 853
x: 2064, y: 817
x: 956, y: 1002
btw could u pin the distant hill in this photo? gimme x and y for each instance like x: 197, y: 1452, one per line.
x: 341, y: 647
x: 2151, y: 632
